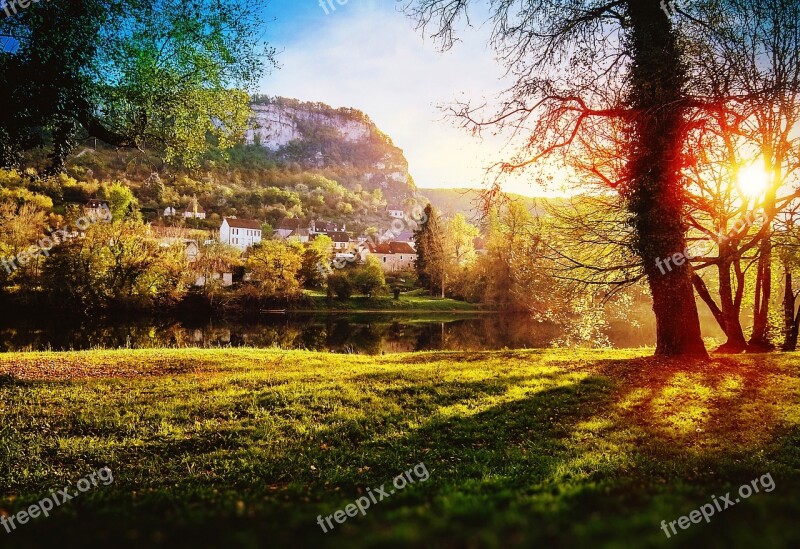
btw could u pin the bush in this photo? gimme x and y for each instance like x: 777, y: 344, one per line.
x: 369, y: 277
x: 339, y: 283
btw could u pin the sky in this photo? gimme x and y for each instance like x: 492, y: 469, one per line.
x: 367, y: 55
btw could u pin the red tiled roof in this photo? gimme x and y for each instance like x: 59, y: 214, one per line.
x: 389, y: 248
x: 243, y: 224
x: 401, y: 248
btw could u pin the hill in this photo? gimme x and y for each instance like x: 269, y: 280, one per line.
x: 298, y: 159
x: 469, y: 202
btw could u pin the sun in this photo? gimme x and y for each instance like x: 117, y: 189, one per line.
x: 753, y: 180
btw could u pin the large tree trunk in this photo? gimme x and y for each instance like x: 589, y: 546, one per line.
x: 656, y: 194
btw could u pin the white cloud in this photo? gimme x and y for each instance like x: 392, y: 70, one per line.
x: 390, y: 73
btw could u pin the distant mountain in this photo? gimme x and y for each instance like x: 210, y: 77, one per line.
x: 468, y: 201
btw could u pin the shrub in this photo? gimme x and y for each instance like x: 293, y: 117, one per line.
x: 340, y: 283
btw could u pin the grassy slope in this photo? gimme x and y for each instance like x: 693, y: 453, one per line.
x: 245, y: 448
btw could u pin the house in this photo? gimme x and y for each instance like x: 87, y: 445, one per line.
x: 300, y: 231
x: 287, y: 226
x: 241, y: 233
x: 194, y: 211
x: 299, y: 235
x: 341, y: 241
x: 395, y: 212
x: 170, y: 212
x: 190, y: 247
x: 394, y: 256
x: 97, y: 209
x: 326, y: 228
x: 220, y: 271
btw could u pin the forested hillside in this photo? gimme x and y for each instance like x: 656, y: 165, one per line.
x: 297, y: 159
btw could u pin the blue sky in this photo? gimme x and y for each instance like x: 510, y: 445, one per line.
x: 367, y: 55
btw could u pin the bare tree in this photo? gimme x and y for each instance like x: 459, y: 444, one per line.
x: 564, y: 57
x: 746, y: 74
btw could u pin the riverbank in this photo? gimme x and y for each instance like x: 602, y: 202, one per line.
x: 317, y: 302
x: 233, y: 306
x: 235, y: 447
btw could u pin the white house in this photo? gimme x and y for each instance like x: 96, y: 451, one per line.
x: 241, y: 233
x: 194, y: 211
x: 97, y: 209
x: 395, y: 212
x: 190, y: 247
x: 170, y: 212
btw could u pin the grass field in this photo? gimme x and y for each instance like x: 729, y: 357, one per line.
x: 245, y: 448
x: 318, y: 301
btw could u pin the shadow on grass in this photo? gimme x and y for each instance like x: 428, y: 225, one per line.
x: 592, y: 457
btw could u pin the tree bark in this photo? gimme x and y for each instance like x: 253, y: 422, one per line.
x: 656, y: 195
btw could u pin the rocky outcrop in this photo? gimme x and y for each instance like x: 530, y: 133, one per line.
x: 315, y: 135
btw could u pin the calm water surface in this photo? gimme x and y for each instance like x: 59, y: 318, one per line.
x: 341, y: 333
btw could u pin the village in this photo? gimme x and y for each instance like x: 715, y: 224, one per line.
x: 394, y: 249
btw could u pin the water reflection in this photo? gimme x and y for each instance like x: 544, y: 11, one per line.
x: 363, y: 334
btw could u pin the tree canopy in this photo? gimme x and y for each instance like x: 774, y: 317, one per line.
x: 167, y: 74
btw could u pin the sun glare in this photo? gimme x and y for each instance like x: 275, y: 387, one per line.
x: 753, y: 180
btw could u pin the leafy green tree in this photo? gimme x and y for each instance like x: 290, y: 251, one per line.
x: 431, y: 257
x: 460, y: 240
x: 369, y: 278
x: 276, y: 266
x: 115, y: 266
x: 122, y: 202
x: 340, y: 284
x: 316, y: 262
x: 21, y: 227
x: 168, y: 74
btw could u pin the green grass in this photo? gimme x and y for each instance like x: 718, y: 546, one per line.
x: 244, y: 448
x: 317, y: 301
